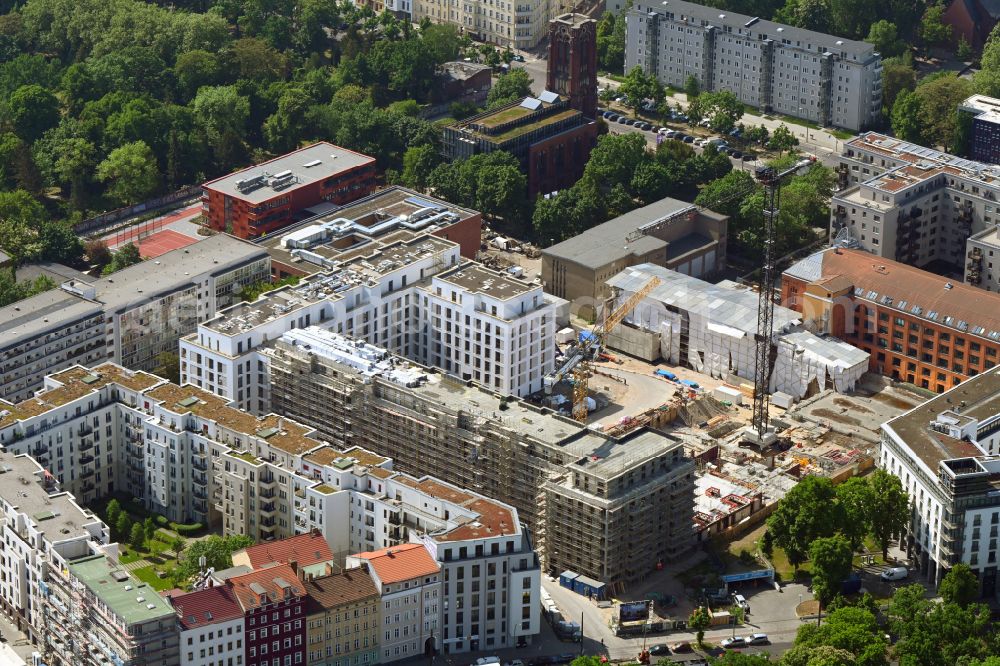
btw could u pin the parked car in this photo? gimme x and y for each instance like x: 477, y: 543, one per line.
x: 758, y: 639
x: 565, y: 658
x: 895, y: 573
x: 486, y: 661
x: 683, y: 646
x: 749, y: 157
x: 622, y: 120
x: 735, y: 154
x: 688, y: 139
x: 516, y: 662
x: 732, y: 643
x: 659, y: 649
x: 606, y: 114
x: 705, y: 122
x: 518, y: 57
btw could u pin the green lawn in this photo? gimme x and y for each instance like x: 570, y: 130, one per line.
x: 148, y: 576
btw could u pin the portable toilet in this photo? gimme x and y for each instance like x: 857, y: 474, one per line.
x: 566, y: 579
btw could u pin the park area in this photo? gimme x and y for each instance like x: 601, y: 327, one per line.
x: 162, y: 553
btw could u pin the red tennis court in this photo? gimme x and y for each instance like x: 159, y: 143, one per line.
x: 162, y: 242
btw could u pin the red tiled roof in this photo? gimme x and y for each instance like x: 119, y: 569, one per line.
x: 207, y: 606
x: 962, y: 302
x: 305, y: 549
x: 398, y: 563
x: 271, y: 581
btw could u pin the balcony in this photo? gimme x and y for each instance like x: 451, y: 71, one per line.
x: 200, y: 464
x: 268, y: 482
x: 200, y: 480
x: 200, y: 494
x: 267, y: 493
x: 85, y: 459
x: 267, y: 509
x: 86, y: 472
x: 85, y: 444
x: 84, y: 430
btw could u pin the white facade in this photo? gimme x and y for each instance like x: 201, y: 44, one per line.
x: 129, y: 317
x: 945, y: 454
x: 916, y: 205
x: 215, y: 644
x: 518, y: 24
x: 416, y: 297
x: 773, y: 67
x: 712, y: 329
x: 982, y: 268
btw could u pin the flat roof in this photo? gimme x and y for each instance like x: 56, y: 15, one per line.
x: 981, y: 395
x: 178, y: 268
x: 129, y: 598
x: 307, y: 165
x: 615, y: 239
x: 985, y: 107
x: 777, y: 31
x: 736, y: 308
x: 384, y: 215
x: 925, y: 159
x: 989, y: 236
x: 57, y: 516
x: 519, y: 118
x: 477, y: 279
x: 609, y: 458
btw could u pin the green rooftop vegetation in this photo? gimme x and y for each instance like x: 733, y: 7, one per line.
x: 515, y: 132
x: 504, y: 116
x: 245, y: 455
x: 325, y: 489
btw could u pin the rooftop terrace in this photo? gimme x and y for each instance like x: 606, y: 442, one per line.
x: 476, y: 279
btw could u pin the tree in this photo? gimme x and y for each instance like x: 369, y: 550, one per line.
x: 511, y: 87
x: 21, y: 217
x: 691, y: 87
x: 123, y: 525
x: 700, y: 620
x: 611, y: 42
x: 937, y: 634
x: 851, y: 18
x: 890, y: 509
x: 650, y: 182
x: 782, y: 139
x: 615, y: 158
x: 148, y: 528
x: 896, y: 77
x: 98, y: 254
x: 808, y: 512
x: 813, y: 15
x: 818, y: 655
x: 722, y: 109
x: 885, y: 37
x: 964, y: 50
x: 418, y: 163
x: 131, y: 171
x: 217, y: 551
x: 933, y: 30
x: 125, y: 256
x: 75, y: 162
x: 32, y: 110
x: 113, y: 510
x: 196, y: 69
x: 987, y: 80
x: 639, y: 86
x: 855, y: 499
x: 221, y: 111
x: 178, y: 544
x: 11, y: 290
x: 831, y: 563
x: 854, y: 630
x: 731, y: 658
x: 137, y: 538
x: 959, y: 586
x: 905, y: 117
x: 939, y: 97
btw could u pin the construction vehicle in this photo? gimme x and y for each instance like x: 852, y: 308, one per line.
x: 577, y: 364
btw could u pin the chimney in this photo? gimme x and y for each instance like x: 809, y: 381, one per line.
x: 294, y: 564
x: 328, y: 569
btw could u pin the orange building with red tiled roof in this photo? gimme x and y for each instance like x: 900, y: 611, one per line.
x: 917, y: 326
x: 306, y: 550
x: 273, y: 601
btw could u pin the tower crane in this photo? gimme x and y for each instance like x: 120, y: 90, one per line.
x: 578, y: 363
x: 771, y: 179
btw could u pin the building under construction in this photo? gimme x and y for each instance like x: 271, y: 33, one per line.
x: 612, y: 509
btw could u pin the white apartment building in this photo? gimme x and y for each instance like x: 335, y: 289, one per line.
x: 947, y: 454
x: 983, y: 254
x: 518, y: 24
x: 128, y: 317
x: 189, y: 455
x: 774, y: 67
x: 412, y: 294
x: 211, y: 627
x: 913, y: 204
x: 43, y: 528
x: 409, y: 584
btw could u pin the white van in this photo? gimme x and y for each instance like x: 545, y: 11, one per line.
x: 741, y: 601
x: 487, y: 661
x: 895, y: 573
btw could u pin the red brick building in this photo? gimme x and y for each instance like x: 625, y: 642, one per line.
x: 572, y: 68
x: 271, y: 195
x: 918, y: 327
x: 273, y: 601
x: 972, y: 19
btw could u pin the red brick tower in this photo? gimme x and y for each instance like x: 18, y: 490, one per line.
x: 572, y: 68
